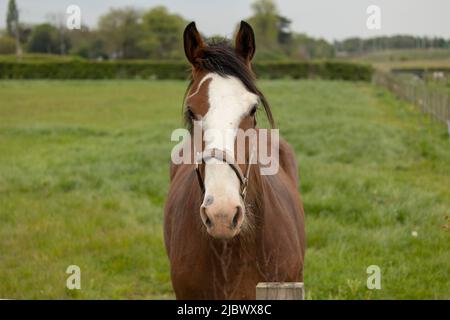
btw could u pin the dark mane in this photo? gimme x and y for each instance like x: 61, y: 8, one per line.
x: 218, y: 56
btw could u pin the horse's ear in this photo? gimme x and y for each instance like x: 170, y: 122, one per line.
x: 192, y: 42
x: 245, y: 42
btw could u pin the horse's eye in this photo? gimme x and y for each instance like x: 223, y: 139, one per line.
x: 253, y: 110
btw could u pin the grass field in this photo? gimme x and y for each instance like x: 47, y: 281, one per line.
x: 84, y: 174
x: 405, y: 58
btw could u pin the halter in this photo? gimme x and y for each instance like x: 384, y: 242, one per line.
x: 223, y: 156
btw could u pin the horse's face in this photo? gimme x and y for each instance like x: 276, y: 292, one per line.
x: 230, y: 106
x: 223, y: 104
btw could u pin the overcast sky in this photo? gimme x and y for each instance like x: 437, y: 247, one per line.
x: 330, y: 19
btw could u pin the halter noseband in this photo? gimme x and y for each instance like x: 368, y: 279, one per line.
x: 223, y: 156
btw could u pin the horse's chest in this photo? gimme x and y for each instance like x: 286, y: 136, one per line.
x: 218, y: 273
x: 234, y: 275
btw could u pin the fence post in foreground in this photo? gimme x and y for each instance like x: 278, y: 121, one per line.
x: 280, y: 291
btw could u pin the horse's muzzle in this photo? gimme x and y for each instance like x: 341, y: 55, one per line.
x: 222, y: 223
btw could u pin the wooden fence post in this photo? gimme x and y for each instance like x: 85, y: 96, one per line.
x: 280, y: 291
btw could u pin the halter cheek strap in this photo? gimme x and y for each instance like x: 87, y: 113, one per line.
x: 223, y: 156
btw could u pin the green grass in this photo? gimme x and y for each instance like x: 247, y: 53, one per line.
x: 84, y: 174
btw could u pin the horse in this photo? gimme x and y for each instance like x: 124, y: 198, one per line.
x: 228, y: 227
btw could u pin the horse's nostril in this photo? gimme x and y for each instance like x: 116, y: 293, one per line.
x: 206, y: 220
x: 237, y: 217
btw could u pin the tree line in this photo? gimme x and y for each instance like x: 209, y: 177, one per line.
x: 129, y: 33
x: 360, y: 46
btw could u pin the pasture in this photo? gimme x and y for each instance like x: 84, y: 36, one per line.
x: 405, y: 58
x: 84, y: 174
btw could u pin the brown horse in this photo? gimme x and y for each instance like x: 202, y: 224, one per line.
x: 226, y: 225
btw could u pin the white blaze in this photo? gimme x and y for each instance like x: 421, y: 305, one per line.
x: 229, y: 103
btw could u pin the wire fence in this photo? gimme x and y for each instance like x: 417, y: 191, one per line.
x: 428, y: 99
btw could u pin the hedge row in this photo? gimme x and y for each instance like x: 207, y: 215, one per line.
x: 175, y: 70
x: 324, y: 70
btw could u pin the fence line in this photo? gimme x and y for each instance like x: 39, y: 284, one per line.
x: 429, y: 100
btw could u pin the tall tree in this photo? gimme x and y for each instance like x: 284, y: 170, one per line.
x: 12, y: 18
x: 87, y: 43
x: 265, y: 22
x: 162, y: 38
x: 121, y: 32
x: 284, y: 30
x: 44, y: 39
x: 12, y: 24
x: 58, y: 20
